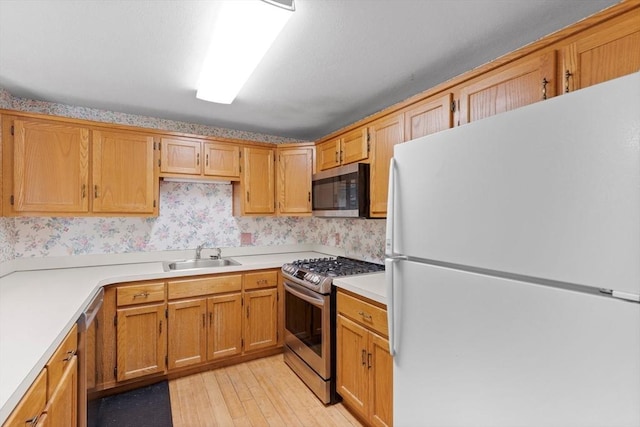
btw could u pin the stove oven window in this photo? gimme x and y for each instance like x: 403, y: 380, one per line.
x: 304, y: 320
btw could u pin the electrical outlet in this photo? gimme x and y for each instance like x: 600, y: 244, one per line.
x: 246, y: 239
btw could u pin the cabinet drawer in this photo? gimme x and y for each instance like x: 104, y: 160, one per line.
x: 32, y: 403
x: 204, y: 286
x: 261, y: 279
x: 375, y: 318
x: 140, y: 294
x: 60, y: 359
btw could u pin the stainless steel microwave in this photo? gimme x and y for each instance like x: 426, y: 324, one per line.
x: 342, y: 192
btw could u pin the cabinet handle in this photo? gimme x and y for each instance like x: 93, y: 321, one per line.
x: 204, y: 319
x: 364, y: 356
x: 160, y: 328
x: 309, y: 195
x: 365, y: 316
x: 84, y: 190
x: 95, y: 191
x: 247, y: 196
x: 567, y: 74
x: 141, y: 295
x: 69, y: 356
x: 206, y: 160
x: 337, y: 157
x: 341, y: 153
x: 369, y: 360
x: 210, y: 318
x: 198, y: 159
x: 545, y: 82
x: 33, y: 421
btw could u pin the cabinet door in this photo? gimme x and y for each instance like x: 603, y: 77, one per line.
x: 187, y: 332
x: 355, y: 146
x: 141, y: 341
x: 259, y: 180
x: 51, y: 167
x: 180, y: 155
x: 351, y: 365
x: 31, y: 405
x: 428, y: 116
x: 511, y: 87
x: 62, y: 408
x: 611, y: 52
x: 123, y: 173
x: 380, y: 365
x: 385, y: 134
x: 295, y: 168
x: 328, y: 154
x: 224, y: 337
x: 261, y: 321
x: 221, y: 160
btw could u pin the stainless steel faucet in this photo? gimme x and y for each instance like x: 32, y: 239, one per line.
x: 201, y: 247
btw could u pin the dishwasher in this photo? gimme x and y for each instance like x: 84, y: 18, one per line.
x: 89, y: 352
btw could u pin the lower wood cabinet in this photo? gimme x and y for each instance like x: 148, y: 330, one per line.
x: 224, y: 333
x: 364, y: 365
x: 52, y: 399
x: 261, y: 319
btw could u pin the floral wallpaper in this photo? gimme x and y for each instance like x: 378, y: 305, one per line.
x: 190, y: 213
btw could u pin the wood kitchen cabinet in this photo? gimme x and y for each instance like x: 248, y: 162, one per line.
x: 255, y: 193
x: 364, y: 367
x: 207, y: 325
x: 123, y: 174
x: 385, y: 134
x: 295, y: 168
x: 141, y: 330
x: 52, y: 399
x: 602, y: 53
x: 199, y: 159
x: 428, y: 116
x: 31, y: 407
x: 65, y: 167
x: 509, y: 87
x: 261, y: 310
x: 351, y: 147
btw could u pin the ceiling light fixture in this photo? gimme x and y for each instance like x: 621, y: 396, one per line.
x: 243, y: 32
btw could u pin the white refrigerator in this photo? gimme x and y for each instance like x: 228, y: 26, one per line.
x: 513, y: 267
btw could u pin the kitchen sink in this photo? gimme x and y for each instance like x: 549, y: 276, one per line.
x: 191, y: 264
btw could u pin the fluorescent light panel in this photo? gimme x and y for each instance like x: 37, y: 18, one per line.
x: 243, y: 32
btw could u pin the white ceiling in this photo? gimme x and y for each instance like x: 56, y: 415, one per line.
x: 336, y: 61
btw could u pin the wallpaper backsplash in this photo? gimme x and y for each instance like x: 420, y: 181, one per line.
x: 190, y: 213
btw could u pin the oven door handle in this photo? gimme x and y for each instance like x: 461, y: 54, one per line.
x: 304, y: 294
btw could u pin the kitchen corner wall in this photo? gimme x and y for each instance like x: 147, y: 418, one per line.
x: 190, y: 213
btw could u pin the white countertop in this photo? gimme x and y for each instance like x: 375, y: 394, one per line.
x: 372, y: 286
x: 39, y: 307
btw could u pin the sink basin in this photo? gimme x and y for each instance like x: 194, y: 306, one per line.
x: 191, y: 264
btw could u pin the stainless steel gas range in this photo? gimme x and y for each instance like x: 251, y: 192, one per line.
x: 310, y: 316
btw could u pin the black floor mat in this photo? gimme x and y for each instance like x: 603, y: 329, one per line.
x: 143, y: 407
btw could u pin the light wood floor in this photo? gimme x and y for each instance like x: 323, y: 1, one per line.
x: 262, y: 392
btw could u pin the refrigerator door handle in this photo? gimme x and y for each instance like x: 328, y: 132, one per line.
x: 390, y: 208
x: 389, y: 264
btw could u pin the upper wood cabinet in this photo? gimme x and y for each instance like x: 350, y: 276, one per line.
x: 602, y: 53
x: 56, y: 166
x: 351, y: 147
x: 255, y: 193
x: 385, y: 134
x: 50, y: 166
x: 194, y: 158
x: 429, y: 116
x: 510, y: 87
x: 123, y: 173
x: 295, y: 168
